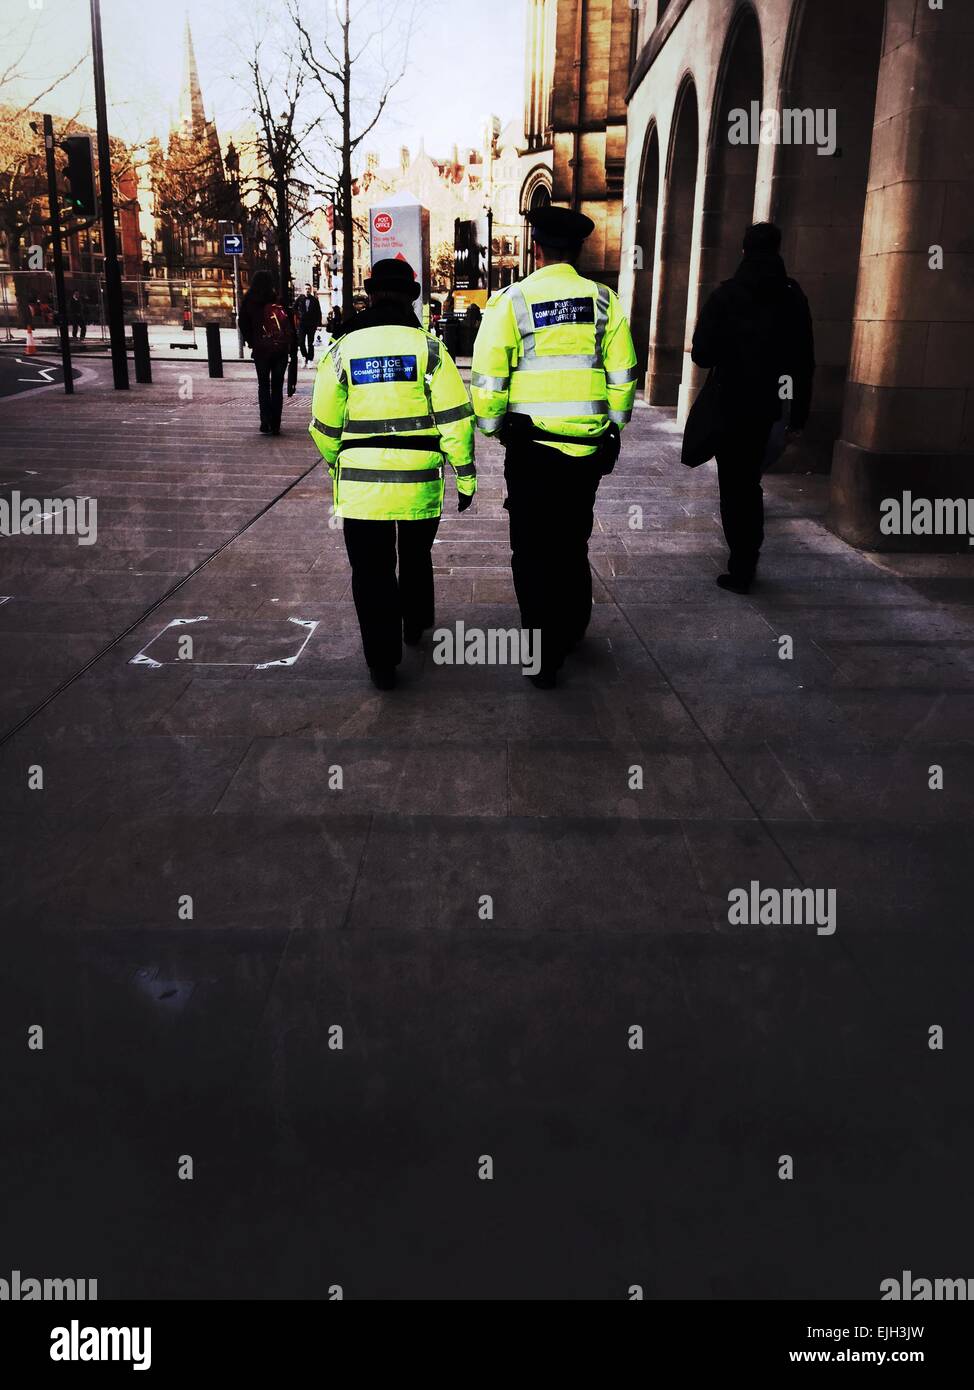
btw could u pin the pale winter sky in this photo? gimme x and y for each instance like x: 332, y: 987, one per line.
x: 466, y: 61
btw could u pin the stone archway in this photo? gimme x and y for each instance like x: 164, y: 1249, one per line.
x: 644, y: 251
x: 818, y: 200
x: 667, y: 347
x: 728, y: 194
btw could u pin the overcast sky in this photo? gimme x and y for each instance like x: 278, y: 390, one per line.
x: 466, y: 61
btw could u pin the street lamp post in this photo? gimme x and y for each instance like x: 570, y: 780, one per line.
x: 236, y: 305
x: 232, y: 162
x: 52, y: 197
x: 113, y: 278
x: 225, y: 222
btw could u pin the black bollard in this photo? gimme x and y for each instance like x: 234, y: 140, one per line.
x: 214, y: 352
x: 140, y: 352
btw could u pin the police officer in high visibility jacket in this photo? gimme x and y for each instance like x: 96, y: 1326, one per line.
x: 389, y: 406
x: 554, y: 378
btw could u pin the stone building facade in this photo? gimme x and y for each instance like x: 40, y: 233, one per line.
x: 577, y: 72
x: 877, y: 226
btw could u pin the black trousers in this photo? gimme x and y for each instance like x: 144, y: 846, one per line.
x: 306, y: 342
x: 270, y: 387
x: 384, y: 603
x: 550, y: 504
x: 740, y: 459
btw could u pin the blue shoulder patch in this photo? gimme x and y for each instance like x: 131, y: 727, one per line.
x: 377, y: 371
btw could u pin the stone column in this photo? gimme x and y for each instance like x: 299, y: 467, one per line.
x: 908, y: 418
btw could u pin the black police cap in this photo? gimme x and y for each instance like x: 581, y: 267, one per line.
x: 394, y: 276
x: 559, y: 228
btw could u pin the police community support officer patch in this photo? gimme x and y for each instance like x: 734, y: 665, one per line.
x: 374, y: 371
x: 556, y: 311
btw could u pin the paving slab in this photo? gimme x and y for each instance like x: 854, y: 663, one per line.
x: 525, y: 952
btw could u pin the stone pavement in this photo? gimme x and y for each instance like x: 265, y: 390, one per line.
x: 360, y: 908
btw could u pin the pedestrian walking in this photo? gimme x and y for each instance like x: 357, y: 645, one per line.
x: 333, y: 323
x: 389, y: 406
x: 755, y: 334
x: 77, y: 316
x: 307, y: 313
x: 554, y: 378
x: 268, y: 330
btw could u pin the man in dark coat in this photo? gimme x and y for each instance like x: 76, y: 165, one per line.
x: 307, y: 314
x: 756, y: 330
x: 77, y: 316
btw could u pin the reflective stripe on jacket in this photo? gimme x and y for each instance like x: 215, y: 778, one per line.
x: 555, y: 347
x: 395, y: 384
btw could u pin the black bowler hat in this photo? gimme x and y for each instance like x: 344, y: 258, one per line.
x: 559, y: 228
x: 393, y: 276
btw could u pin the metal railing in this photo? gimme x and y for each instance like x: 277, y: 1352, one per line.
x: 28, y: 298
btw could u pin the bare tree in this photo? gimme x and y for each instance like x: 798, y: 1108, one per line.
x: 23, y: 173
x: 190, y: 190
x: 332, y: 61
x: 279, y: 163
x: 12, y: 73
x: 25, y: 216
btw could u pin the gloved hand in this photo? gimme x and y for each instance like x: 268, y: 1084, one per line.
x: 610, y: 448
x: 464, y: 499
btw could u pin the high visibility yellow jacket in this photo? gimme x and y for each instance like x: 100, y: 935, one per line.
x: 555, y: 347
x: 388, y: 407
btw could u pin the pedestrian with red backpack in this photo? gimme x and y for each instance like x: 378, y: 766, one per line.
x: 268, y: 330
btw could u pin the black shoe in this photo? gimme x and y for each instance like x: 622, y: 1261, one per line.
x: 383, y: 677
x: 737, y: 584
x: 413, y: 636
x: 543, y: 680
x: 264, y: 429
x: 275, y: 429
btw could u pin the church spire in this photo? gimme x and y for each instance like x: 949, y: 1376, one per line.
x: 191, y: 115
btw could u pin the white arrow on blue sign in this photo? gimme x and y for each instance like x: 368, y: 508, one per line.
x: 232, y: 245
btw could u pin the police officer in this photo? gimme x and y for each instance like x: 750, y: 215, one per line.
x: 388, y: 407
x: 554, y: 378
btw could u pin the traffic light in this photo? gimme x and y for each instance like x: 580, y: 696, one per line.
x: 80, y: 174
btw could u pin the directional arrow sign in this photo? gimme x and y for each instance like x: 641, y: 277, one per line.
x: 43, y: 373
x: 232, y: 245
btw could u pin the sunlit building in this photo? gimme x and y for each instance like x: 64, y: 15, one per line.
x: 576, y: 76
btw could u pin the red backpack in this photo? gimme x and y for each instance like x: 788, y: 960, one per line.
x: 275, y: 331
